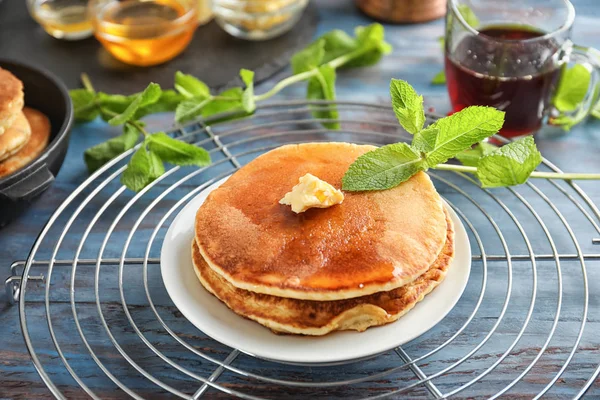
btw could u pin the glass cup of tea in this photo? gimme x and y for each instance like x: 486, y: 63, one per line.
x: 144, y: 32
x: 510, y: 55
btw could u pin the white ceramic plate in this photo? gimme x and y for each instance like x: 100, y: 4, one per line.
x: 212, y: 317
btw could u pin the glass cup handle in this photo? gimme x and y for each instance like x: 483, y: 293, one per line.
x: 590, y: 59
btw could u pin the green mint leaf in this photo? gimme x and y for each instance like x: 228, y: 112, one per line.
x: 248, y: 102
x: 383, y: 168
x: 408, y: 106
x: 572, y: 88
x: 566, y: 122
x: 424, y: 140
x: 365, y: 49
x: 369, y: 37
x: 96, y: 156
x: 596, y: 111
x: 168, y: 101
x: 337, y: 43
x: 149, y: 96
x: 177, y: 152
x: 111, y: 104
x: 309, y: 57
x: 322, y: 87
x: 84, y: 105
x: 468, y: 15
x: 157, y: 168
x: 471, y: 157
x: 190, y: 86
x: 141, y: 170
x: 233, y: 102
x: 247, y: 76
x: 190, y: 109
x: 509, y: 165
x: 458, y: 132
x: 439, y: 78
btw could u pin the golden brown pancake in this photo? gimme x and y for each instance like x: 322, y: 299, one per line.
x: 374, y: 241
x: 40, y: 134
x: 307, y: 317
x: 15, y: 137
x: 11, y: 99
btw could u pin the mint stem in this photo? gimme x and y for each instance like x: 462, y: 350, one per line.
x: 138, y: 127
x: 335, y: 63
x: 285, y: 83
x: 88, y: 107
x: 87, y: 83
x: 134, y: 124
x: 535, y: 174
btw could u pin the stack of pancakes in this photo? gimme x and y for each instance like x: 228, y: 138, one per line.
x: 24, y: 132
x: 363, y: 263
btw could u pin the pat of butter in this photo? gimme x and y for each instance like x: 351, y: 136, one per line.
x: 312, y: 192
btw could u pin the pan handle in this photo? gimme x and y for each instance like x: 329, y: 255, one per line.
x: 31, y: 186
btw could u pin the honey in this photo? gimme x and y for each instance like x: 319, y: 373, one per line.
x: 145, y: 33
x: 63, y: 19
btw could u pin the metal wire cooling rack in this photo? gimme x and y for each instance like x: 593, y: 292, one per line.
x: 97, y: 320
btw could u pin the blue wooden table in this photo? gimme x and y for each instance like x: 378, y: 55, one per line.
x: 416, y: 58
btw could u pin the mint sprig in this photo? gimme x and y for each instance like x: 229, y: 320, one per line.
x: 147, y: 163
x: 143, y: 168
x: 439, y: 78
x: 385, y: 167
x: 452, y: 136
x: 472, y: 156
x: 572, y: 88
x: 192, y: 98
x: 176, y: 151
x: 150, y: 95
x: 322, y: 87
x: 510, y: 165
x: 570, y: 93
x: 96, y: 156
x: 408, y: 106
x: 191, y: 87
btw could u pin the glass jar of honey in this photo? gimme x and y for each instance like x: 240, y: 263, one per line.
x: 144, y: 32
x: 62, y: 19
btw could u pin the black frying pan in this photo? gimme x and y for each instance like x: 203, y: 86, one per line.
x: 46, y: 93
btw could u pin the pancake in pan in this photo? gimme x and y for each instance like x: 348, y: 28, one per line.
x: 11, y: 99
x: 15, y: 137
x: 373, y: 242
x: 40, y: 135
x: 307, y: 317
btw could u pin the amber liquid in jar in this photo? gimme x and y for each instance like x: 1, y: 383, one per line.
x: 63, y: 19
x: 145, y: 32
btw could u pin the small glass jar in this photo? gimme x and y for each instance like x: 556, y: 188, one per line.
x: 204, y: 12
x: 144, y: 32
x: 62, y: 19
x: 258, y: 19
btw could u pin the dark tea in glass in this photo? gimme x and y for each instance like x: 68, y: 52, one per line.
x: 510, y: 55
x: 513, y: 83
